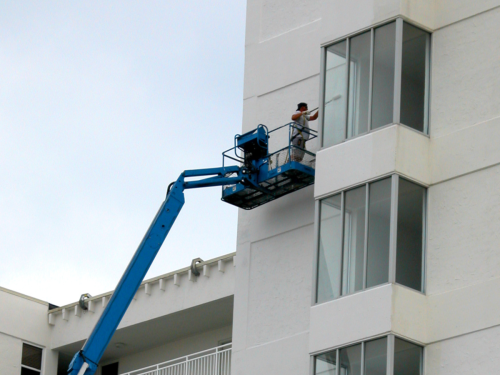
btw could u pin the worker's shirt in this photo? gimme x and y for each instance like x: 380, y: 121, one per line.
x: 303, y: 126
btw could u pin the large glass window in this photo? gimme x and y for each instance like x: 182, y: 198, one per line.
x: 31, y: 360
x: 415, y: 77
x: 359, y: 80
x: 326, y: 364
x: 355, y: 232
x: 384, y: 53
x: 330, y: 241
x: 410, y: 238
x: 370, y: 358
x: 388, y: 68
x: 335, y: 96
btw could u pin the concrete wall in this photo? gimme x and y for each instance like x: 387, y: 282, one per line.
x: 23, y: 320
x: 459, y: 162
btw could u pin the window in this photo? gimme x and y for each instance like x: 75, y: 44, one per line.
x: 370, y: 358
x: 376, y: 78
x: 31, y: 360
x: 111, y: 369
x: 358, y: 232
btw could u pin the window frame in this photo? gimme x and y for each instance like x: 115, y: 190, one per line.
x: 393, y: 220
x: 390, y: 354
x: 40, y: 370
x: 397, y: 79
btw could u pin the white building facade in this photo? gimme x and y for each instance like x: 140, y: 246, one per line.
x: 388, y: 265
x: 402, y: 226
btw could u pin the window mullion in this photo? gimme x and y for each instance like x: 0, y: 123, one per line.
x: 370, y: 83
x: 390, y: 355
x: 317, y: 224
x: 365, y: 260
x: 427, y: 82
x: 362, y: 358
x: 337, y: 359
x: 347, y: 69
x: 422, y: 361
x: 322, y: 95
x: 424, y: 240
x: 396, y: 116
x: 342, y: 224
x: 393, y: 228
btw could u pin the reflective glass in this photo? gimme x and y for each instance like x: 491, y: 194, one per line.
x: 407, y: 358
x: 376, y: 357
x: 329, y: 256
x: 411, y: 199
x: 326, y: 364
x: 359, y: 84
x: 335, y: 95
x: 413, y: 78
x: 27, y: 371
x: 384, y: 54
x: 354, y: 240
x: 350, y: 360
x: 32, y: 356
x: 379, y: 215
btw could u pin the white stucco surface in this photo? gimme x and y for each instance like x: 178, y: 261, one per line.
x: 476, y: 353
x: 349, y: 319
x: 463, y: 233
x: 394, y: 149
x: 280, y: 286
x: 10, y: 355
x: 465, y: 73
x: 23, y: 319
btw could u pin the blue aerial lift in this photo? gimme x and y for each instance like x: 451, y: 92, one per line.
x: 259, y: 178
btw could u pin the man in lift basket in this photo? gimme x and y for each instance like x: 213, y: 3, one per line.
x: 301, y: 132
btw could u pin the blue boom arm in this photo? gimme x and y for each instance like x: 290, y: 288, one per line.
x: 86, y: 360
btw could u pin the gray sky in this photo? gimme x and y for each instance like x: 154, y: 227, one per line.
x: 102, y: 105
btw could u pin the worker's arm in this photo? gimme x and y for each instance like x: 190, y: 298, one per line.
x: 296, y: 116
x: 314, y: 117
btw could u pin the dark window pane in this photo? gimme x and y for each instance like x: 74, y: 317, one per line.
x: 376, y: 357
x: 27, y: 371
x: 359, y: 81
x: 32, y: 356
x: 326, y: 364
x: 384, y: 54
x: 379, y: 213
x: 329, y: 256
x: 354, y: 240
x: 413, y: 77
x: 335, y: 94
x: 350, y: 360
x: 407, y: 358
x: 111, y: 369
x: 410, y: 234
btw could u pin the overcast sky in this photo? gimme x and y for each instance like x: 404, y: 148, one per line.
x: 102, y: 105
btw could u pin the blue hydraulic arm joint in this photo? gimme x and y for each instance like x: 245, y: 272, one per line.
x: 86, y: 360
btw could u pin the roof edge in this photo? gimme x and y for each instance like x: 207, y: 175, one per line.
x: 9, y: 291
x: 152, y: 280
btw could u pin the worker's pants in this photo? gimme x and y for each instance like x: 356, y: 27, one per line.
x: 298, y: 153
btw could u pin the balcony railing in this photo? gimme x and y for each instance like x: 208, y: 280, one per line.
x: 215, y: 361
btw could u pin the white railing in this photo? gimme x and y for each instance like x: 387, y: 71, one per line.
x: 215, y: 361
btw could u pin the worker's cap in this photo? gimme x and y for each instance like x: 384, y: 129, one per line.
x: 301, y: 104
